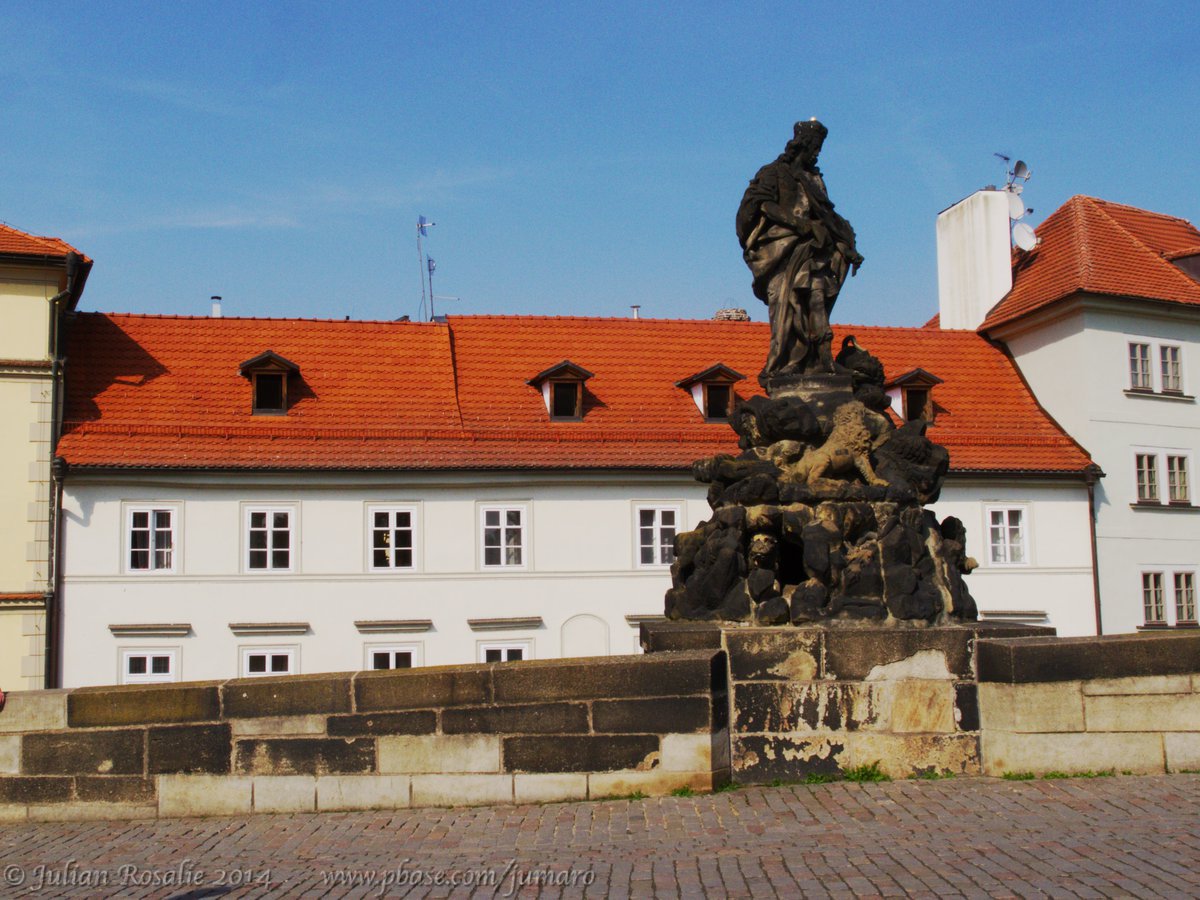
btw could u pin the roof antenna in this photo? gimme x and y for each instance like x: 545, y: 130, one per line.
x: 423, y: 226
x: 1023, y: 235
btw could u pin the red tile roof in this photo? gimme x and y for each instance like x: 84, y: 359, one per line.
x: 1098, y: 247
x: 159, y: 391
x: 21, y: 244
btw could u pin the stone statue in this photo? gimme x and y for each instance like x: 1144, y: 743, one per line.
x: 798, y: 250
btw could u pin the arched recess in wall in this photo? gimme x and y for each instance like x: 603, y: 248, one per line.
x: 584, y: 635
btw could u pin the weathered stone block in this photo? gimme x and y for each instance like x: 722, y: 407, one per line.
x: 29, y: 789
x: 285, y: 793
x: 189, y: 750
x: 278, y: 726
x: 657, y: 637
x: 1006, y: 751
x: 720, y: 750
x: 1030, y: 660
x: 10, y: 754
x: 878, y: 654
x: 687, y: 753
x: 116, y: 789
x: 250, y: 698
x: 650, y: 675
x: 204, y: 795
x: 422, y: 721
x: 536, y: 718
x: 581, y: 753
x: 1142, y: 712
x: 1145, y: 684
x: 34, y: 711
x: 774, y: 707
x: 14, y: 812
x: 1051, y: 707
x: 902, y: 755
x: 658, y: 715
x: 90, y: 812
x: 461, y: 790
x: 403, y: 754
x: 615, y: 785
x: 84, y: 753
x: 422, y: 688
x: 920, y: 706
x: 304, y: 756
x: 792, y: 654
x: 1182, y: 750
x: 550, y: 788
x: 346, y: 792
x: 758, y: 759
x: 143, y: 705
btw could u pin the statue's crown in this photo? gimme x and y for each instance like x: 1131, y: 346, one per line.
x: 811, y: 133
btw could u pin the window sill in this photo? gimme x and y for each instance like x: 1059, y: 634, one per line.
x: 1160, y: 395
x: 1182, y: 626
x: 1166, y: 507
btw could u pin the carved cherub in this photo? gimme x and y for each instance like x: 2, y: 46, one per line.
x: 846, y: 450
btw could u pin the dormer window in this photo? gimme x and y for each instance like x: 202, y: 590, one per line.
x: 912, y: 395
x: 268, y: 373
x: 562, y: 390
x: 712, y: 391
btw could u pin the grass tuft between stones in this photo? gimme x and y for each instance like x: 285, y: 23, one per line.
x: 684, y: 791
x: 869, y: 772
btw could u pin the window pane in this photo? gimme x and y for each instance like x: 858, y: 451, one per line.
x: 381, y: 520
x: 160, y: 665
x: 668, y: 517
x: 404, y: 559
x: 279, y: 520
x: 281, y: 539
x: 403, y: 520
x: 258, y: 540
x: 491, y: 517
x: 512, y: 517
x: 258, y: 520
x: 257, y: 662
x: 380, y: 660
x: 139, y: 559
x: 491, y: 537
x: 403, y: 659
x: 268, y: 392
x: 280, y: 559
x: 381, y: 559
x: 403, y: 538
x: 646, y: 518
x: 491, y: 556
x: 137, y: 665
x: 564, y: 400
x: 647, y: 555
x: 141, y: 520
x: 162, y: 518
x: 515, y: 653
x: 491, y: 655
x: 718, y: 401
x: 280, y: 662
x: 258, y: 559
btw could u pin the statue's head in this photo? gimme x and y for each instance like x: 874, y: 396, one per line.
x: 807, y: 139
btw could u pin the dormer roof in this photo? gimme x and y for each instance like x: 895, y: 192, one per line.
x: 563, y: 371
x: 718, y: 374
x: 914, y: 378
x: 268, y: 360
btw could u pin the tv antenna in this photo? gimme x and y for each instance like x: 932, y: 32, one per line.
x: 423, y: 263
x: 1023, y: 235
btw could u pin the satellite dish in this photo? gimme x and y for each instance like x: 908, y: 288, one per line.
x: 1014, y: 188
x: 1020, y: 170
x: 1016, y: 206
x: 1023, y: 236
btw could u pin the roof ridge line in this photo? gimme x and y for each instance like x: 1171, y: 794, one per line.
x: 1157, y: 254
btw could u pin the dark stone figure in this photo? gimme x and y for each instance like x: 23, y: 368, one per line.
x: 798, y: 250
x: 821, y: 516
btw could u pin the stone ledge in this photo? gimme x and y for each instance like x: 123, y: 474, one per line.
x: 1004, y: 751
x: 655, y: 675
x: 34, y: 711
x: 297, y: 695
x: 351, y: 792
x: 461, y: 790
x: 205, y: 795
x: 143, y: 705
x: 1028, y: 660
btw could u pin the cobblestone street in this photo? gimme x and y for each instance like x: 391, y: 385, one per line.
x: 1100, y: 837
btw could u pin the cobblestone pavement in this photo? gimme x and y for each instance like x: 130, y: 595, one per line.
x: 1100, y: 837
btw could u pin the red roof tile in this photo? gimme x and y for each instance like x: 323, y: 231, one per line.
x: 22, y: 244
x: 1098, y: 247
x: 156, y: 391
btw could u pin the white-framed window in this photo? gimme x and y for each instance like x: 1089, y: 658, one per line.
x: 156, y: 665
x: 393, y: 537
x: 151, y: 538
x: 269, y: 538
x: 1154, y: 607
x: 1140, y: 378
x: 1162, y: 476
x: 718, y: 402
x: 1171, y: 368
x: 1177, y: 479
x: 381, y: 657
x: 1168, y: 596
x: 1008, y: 535
x: 1146, y: 467
x: 506, y: 651
x: 1185, y: 597
x: 656, y: 529
x: 502, y: 536
x: 258, y: 662
x: 1155, y: 367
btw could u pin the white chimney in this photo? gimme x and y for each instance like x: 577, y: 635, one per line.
x: 974, y: 258
x: 216, y: 306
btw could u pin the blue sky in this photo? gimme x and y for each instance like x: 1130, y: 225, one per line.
x: 577, y: 157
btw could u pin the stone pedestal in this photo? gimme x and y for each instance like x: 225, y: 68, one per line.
x: 822, y: 699
x: 822, y: 393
